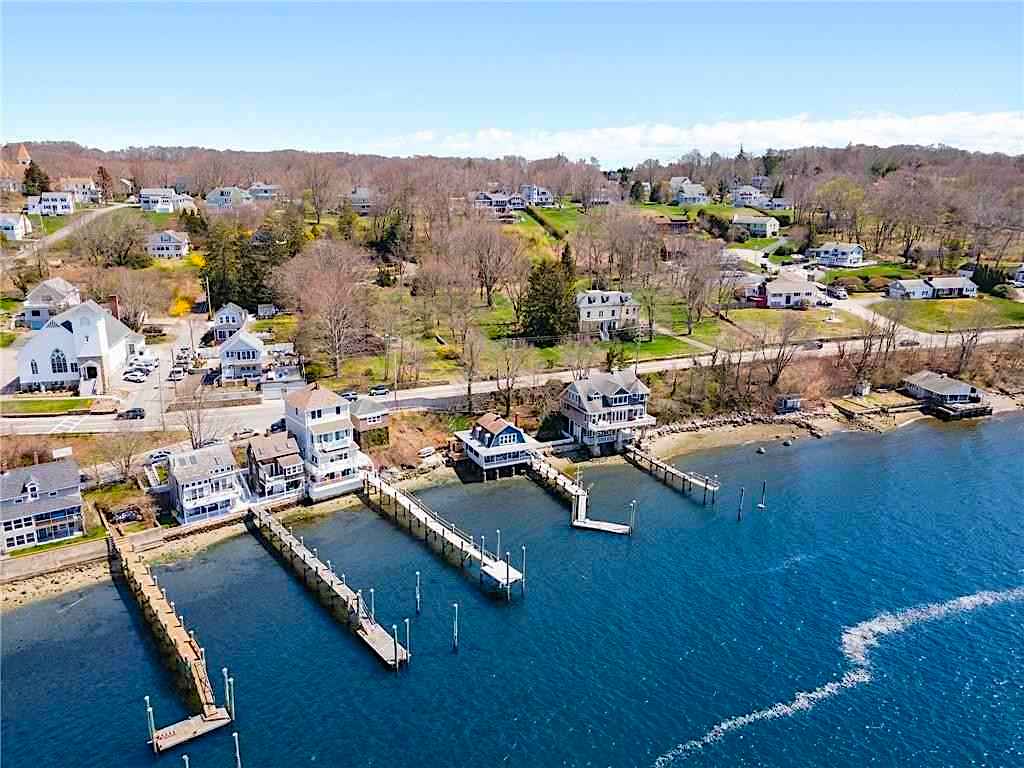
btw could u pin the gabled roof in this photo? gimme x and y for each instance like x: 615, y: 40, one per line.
x: 603, y: 298
x: 156, y: 192
x: 23, y: 155
x: 599, y: 385
x: 242, y: 337
x: 742, y: 219
x: 313, y: 396
x: 57, y: 285
x: 946, y: 283
x: 273, y: 446
x: 367, y: 406
x: 493, y: 423
x: 911, y: 283
x: 784, y: 285
x: 232, y: 307
x: 116, y: 330
x: 939, y: 383
x: 51, y: 476
x: 831, y: 246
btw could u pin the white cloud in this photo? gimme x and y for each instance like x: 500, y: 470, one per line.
x: 629, y: 144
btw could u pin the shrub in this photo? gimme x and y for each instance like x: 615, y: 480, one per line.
x: 1001, y: 291
x: 878, y: 283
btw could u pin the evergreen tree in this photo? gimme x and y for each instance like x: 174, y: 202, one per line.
x: 636, y: 192
x: 347, y: 219
x: 568, y: 264
x: 655, y: 192
x: 222, y: 264
x: 36, y: 181
x: 105, y: 182
x: 549, y: 309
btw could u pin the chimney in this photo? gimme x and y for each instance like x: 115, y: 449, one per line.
x: 115, y: 306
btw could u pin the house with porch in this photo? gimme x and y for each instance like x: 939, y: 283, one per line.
x: 783, y: 293
x: 205, y: 483
x: 320, y: 422
x: 165, y: 200
x: 275, y: 469
x: 261, y: 191
x: 757, y: 226
x: 606, y: 410
x: 227, y: 321
x: 49, y: 298
x: 832, y: 254
x: 494, y: 444
x: 82, y: 188
x: 40, y: 504
x: 536, y: 196
x: 603, y: 313
x: 227, y: 197
x: 692, y: 194
x: 241, y: 358
x: 949, y: 287
x: 744, y: 195
x: 15, y: 226
x: 168, y: 244
x: 361, y: 200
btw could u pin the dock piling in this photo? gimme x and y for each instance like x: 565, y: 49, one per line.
x: 394, y: 634
x: 238, y: 754
x: 417, y: 593
x: 373, y: 605
x: 184, y: 759
x: 764, y: 495
x: 739, y: 509
x: 455, y: 628
x: 151, y: 723
x: 231, y: 688
x: 522, y: 582
x: 497, y: 547
x: 408, y: 643
x: 508, y: 582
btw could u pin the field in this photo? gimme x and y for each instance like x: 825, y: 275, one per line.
x: 565, y: 219
x: 45, y: 406
x: 539, y: 243
x: 812, y: 326
x: 760, y: 243
x: 889, y: 271
x: 932, y: 315
x: 9, y: 306
x: 661, y: 346
x: 690, y: 211
x: 160, y: 220
x: 47, y: 225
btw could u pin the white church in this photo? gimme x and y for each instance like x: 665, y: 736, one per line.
x: 84, y: 347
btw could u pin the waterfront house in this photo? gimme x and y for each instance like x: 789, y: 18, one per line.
x: 205, y: 483
x: 227, y: 197
x: 40, y: 504
x: 833, y: 254
x: 49, y: 298
x: 691, y: 194
x: 241, y: 358
x: 227, y: 321
x: 320, y: 423
x: 949, y: 287
x: 940, y: 388
x: 498, y: 203
x: 494, y: 444
x: 15, y: 226
x: 606, y: 409
x: 788, y: 403
x: 604, y: 312
x: 274, y: 467
x: 757, y: 226
x: 261, y: 191
x: 537, y: 196
x: 370, y: 419
x: 82, y: 188
x: 784, y: 292
x: 168, y: 244
x: 54, y: 204
x: 84, y: 347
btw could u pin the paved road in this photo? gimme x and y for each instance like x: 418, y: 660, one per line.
x: 30, y: 248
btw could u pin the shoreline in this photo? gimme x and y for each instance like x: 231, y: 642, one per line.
x: 667, y: 446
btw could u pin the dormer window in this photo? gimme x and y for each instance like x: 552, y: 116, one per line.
x: 33, y: 490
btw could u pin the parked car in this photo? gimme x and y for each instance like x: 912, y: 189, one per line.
x: 132, y: 413
x: 277, y: 426
x: 426, y: 453
x: 243, y: 434
x: 135, y: 377
x: 160, y: 454
x: 837, y: 292
x: 909, y: 343
x: 379, y: 390
x: 812, y: 345
x: 211, y: 441
x: 350, y: 396
x: 176, y: 374
x: 823, y: 303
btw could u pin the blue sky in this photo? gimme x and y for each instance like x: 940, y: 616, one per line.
x: 620, y: 81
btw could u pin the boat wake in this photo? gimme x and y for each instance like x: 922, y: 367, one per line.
x: 857, y: 642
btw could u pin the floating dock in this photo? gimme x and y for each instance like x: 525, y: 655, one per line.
x: 547, y: 475
x: 190, y: 658
x: 331, y: 588
x: 684, y: 482
x: 454, y: 543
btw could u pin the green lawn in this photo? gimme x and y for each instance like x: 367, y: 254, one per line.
x: 498, y: 321
x: 47, y: 225
x: 690, y: 211
x: 283, y: 328
x: 10, y: 306
x: 813, y: 325
x: 539, y: 243
x: 45, y: 406
x: 565, y: 219
x: 661, y: 346
x: 160, y: 220
x: 890, y: 271
x: 953, y: 314
x: 6, y: 338
x: 96, y: 533
x: 114, y: 495
x: 760, y: 243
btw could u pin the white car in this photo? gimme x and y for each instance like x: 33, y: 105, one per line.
x: 176, y: 375
x: 160, y: 454
x: 426, y: 453
x: 135, y: 377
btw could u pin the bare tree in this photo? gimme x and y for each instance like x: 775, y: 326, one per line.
x: 517, y: 283
x: 198, y: 417
x: 123, y: 449
x: 580, y: 357
x: 491, y: 253
x: 778, y: 348
x: 509, y: 361
x: 969, y: 336
x: 319, y: 179
x: 695, y: 279
x: 471, y: 360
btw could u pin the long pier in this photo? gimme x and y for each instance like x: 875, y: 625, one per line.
x: 190, y: 657
x: 332, y: 589
x: 684, y: 482
x: 453, y: 542
x: 578, y: 496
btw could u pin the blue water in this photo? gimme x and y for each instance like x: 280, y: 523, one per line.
x: 622, y: 649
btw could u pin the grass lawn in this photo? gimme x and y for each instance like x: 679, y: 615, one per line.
x: 564, y: 219
x: 890, y: 271
x: 498, y: 321
x: 47, y: 225
x: 114, y: 495
x: 283, y: 328
x: 10, y: 306
x: 953, y: 314
x: 160, y: 220
x: 661, y: 346
x: 96, y: 533
x: 7, y: 338
x: 539, y: 243
x: 45, y: 406
x: 813, y: 325
x: 760, y: 243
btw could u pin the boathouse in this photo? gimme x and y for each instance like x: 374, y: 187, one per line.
x: 494, y: 444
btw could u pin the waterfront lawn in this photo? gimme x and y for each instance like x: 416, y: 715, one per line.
x: 50, y: 406
x: 662, y: 346
x: 932, y: 315
x: 115, y: 495
x: 812, y: 326
x: 760, y: 243
x: 97, y: 532
x: 564, y: 220
x: 539, y: 243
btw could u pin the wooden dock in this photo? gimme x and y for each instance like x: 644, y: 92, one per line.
x: 547, y: 475
x: 454, y: 543
x: 336, y: 594
x: 685, y: 482
x: 189, y: 657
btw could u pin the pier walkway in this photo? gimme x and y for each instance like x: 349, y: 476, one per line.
x: 685, y: 482
x: 190, y: 658
x: 331, y: 589
x: 452, y: 540
x: 578, y: 496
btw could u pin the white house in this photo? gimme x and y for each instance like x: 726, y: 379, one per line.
x: 319, y: 421
x: 494, y: 444
x: 84, y: 347
x: 40, y: 504
x: 14, y: 226
x: 782, y: 292
x: 940, y: 388
x: 52, y: 204
x: 603, y: 312
x: 157, y: 199
x: 832, y: 254
x: 745, y: 195
x: 536, y: 196
x: 83, y: 188
x: 241, y: 358
x: 692, y: 194
x: 168, y: 244
x: 676, y: 183
x: 606, y: 409
x: 49, y: 298
x: 227, y: 197
x: 261, y: 191
x: 360, y: 200
x: 761, y: 183
x: 910, y: 289
x: 228, y: 320
x: 498, y: 202
x: 757, y: 226
x: 951, y: 287
x: 772, y: 203
x: 205, y: 483
x: 1019, y: 277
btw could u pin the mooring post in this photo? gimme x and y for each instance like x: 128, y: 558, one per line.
x: 373, y: 605
x: 238, y: 754
x: 705, y: 501
x: 202, y: 656
x: 764, y: 495
x: 408, y: 643
x: 192, y: 635
x: 455, y: 629
x: 394, y: 634
x: 739, y: 509
x: 359, y: 605
x: 483, y: 556
x: 184, y: 759
x: 417, y: 593
x: 522, y: 584
x: 508, y: 584
x: 497, y: 547
x: 150, y: 724
x: 231, y: 687
x: 163, y: 591
x: 227, y: 693
x: 316, y: 555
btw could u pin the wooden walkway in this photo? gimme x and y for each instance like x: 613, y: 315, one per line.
x: 190, y: 658
x: 578, y: 496
x: 331, y: 588
x: 685, y: 482
x: 453, y: 541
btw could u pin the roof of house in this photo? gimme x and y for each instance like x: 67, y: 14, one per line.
x: 75, y: 181
x: 744, y: 219
x: 951, y: 282
x: 599, y: 298
x: 831, y: 246
x: 912, y: 283
x: 312, y: 396
x: 156, y: 192
x: 493, y: 423
x: 939, y: 383
x: 57, y: 285
x: 12, y: 218
x: 231, y: 306
x: 23, y: 154
x: 607, y: 385
x: 201, y: 463
x: 273, y: 446
x: 242, y: 337
x: 784, y: 285
x: 181, y: 237
x: 49, y: 476
x: 366, y: 406
x: 746, y: 189
x: 116, y: 330
x: 692, y: 189
x: 9, y: 170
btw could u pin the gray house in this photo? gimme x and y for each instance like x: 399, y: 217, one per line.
x: 494, y: 444
x: 275, y: 468
x: 228, y: 320
x: 940, y: 388
x: 40, y: 504
x: 606, y: 409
